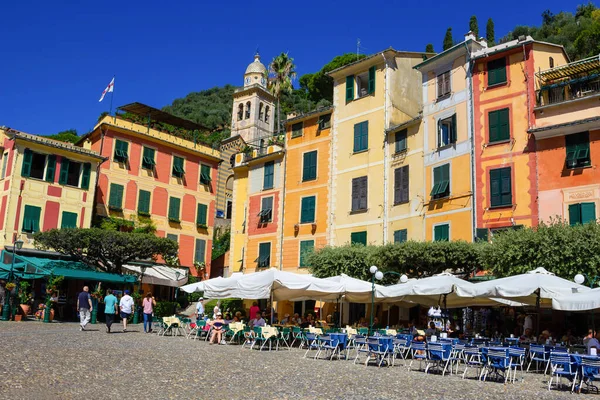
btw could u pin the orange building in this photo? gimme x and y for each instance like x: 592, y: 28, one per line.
x: 567, y: 133
x: 506, y: 193
x: 307, y: 180
x: 153, y: 174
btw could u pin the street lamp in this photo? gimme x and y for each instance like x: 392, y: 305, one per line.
x: 580, y: 279
x: 376, y: 274
x: 18, y: 244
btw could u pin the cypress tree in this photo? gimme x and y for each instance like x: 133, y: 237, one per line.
x: 429, y: 48
x: 448, y: 41
x: 474, y: 26
x: 489, y: 33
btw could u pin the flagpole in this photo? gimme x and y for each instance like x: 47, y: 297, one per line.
x: 112, y: 94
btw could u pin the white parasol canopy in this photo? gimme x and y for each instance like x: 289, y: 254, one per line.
x: 159, y: 274
x: 199, y: 286
x: 589, y: 300
x: 356, y: 290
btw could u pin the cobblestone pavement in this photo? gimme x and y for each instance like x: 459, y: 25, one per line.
x: 57, y: 361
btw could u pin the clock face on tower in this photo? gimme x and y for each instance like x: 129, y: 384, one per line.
x: 247, y: 81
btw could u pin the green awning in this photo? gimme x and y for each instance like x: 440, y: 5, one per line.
x: 27, y: 267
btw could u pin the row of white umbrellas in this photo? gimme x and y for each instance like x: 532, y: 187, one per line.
x: 537, y: 287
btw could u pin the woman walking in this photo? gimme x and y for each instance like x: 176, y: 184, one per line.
x: 148, y: 304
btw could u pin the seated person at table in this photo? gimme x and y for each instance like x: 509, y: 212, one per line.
x: 431, y: 330
x: 217, y: 329
x: 591, y: 342
x: 362, y: 322
x: 257, y: 321
x: 235, y: 319
x: 568, y: 338
x: 376, y: 324
x: 296, y: 320
x: 286, y: 320
x: 544, y: 336
x: 526, y: 335
x: 329, y: 319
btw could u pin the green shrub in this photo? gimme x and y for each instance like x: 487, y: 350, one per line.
x: 183, y: 301
x: 194, y: 297
x: 231, y: 305
x: 165, y: 308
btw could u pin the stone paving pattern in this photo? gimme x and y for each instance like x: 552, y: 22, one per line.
x: 57, y: 361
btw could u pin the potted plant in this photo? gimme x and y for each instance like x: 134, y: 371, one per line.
x: 53, y: 283
x: 25, y: 297
x: 96, y: 298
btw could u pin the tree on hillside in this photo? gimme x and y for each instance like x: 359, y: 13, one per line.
x: 474, y: 26
x: 448, y: 40
x: 281, y: 74
x: 429, y: 48
x: 68, y: 136
x: 489, y: 33
x: 108, y: 250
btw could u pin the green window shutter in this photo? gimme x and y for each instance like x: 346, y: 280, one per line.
x: 144, y: 202
x: 365, y: 135
x: 115, y: 199
x: 50, y: 168
x: 306, y: 247
x: 148, y: 161
x: 441, y: 233
x: 574, y: 214
x: 27, y: 159
x: 325, y: 121
x: 361, y: 136
x: 264, y: 255
x: 500, y: 187
x: 495, y: 197
x: 441, y: 181
x: 64, y: 171
x: 349, y: 88
x: 506, y: 186
x: 31, y: 219
x: 454, y: 132
x: 578, y: 150
x: 269, y: 171
x: 309, y: 166
x: 437, y: 177
x: 174, y: 204
x: 358, y: 238
x: 357, y: 128
x: 85, y: 175
x: 400, y: 236
x: 588, y: 212
x: 200, y: 253
x: 201, y: 217
x: 172, y: 237
x: 69, y: 220
x: 493, y: 126
x: 307, y: 211
x: 297, y: 129
x: 121, y: 151
x: 496, y: 71
x: 400, y: 141
x: 205, y: 177
x: 503, y: 124
x: 371, y: 80
x: 178, y: 170
x: 481, y: 235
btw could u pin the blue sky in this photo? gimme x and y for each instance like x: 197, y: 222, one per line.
x: 58, y: 56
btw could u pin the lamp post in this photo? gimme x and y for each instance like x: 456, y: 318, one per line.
x: 18, y: 244
x: 580, y: 279
x: 376, y: 274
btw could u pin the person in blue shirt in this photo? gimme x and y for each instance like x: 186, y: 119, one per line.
x: 110, y: 308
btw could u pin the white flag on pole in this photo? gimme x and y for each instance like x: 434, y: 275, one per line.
x: 109, y: 88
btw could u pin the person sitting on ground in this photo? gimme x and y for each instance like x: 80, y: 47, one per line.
x: 431, y: 330
x: 217, y: 329
x: 591, y: 342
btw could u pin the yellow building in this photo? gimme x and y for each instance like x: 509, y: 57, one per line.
x: 307, y: 180
x: 447, y: 134
x: 371, y: 97
x: 45, y: 184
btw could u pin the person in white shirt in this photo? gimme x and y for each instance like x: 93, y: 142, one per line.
x: 126, y: 305
x: 200, y: 309
x: 217, y: 309
x: 527, y: 323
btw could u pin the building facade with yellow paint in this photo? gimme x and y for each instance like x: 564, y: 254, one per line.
x: 307, y: 182
x: 370, y: 96
x: 447, y: 134
x: 44, y: 184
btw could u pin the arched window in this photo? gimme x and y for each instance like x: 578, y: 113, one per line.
x: 248, y: 105
x: 267, y: 112
x: 260, y: 111
x: 240, y: 112
x: 551, y: 62
x: 229, y: 183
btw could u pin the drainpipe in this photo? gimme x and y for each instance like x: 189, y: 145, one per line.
x: 282, y: 202
x: 385, y: 151
x: 526, y: 87
x: 471, y: 120
x: 93, y: 191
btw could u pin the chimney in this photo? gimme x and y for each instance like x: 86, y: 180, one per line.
x: 483, y: 42
x: 470, y: 36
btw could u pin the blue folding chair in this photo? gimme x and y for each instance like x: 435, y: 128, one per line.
x: 418, y: 352
x: 590, y: 371
x: 329, y: 344
x: 517, y: 360
x: 382, y: 350
x: 364, y: 345
x: 457, y: 356
x: 439, y: 355
x: 472, y: 359
x: 312, y: 343
x: 498, y: 363
x: 538, y: 354
x: 562, y: 366
x: 401, y: 348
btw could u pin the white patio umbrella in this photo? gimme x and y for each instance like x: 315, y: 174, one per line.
x: 357, y: 290
x: 159, y: 274
x: 589, y: 300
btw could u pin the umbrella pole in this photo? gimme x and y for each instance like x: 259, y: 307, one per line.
x: 271, y: 310
x: 445, y: 312
x: 537, y: 308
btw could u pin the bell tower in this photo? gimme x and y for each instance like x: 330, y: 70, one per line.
x: 253, y: 116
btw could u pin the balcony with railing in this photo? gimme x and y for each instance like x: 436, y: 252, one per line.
x: 567, y: 83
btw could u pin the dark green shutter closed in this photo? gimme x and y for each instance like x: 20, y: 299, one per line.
x: 400, y: 141
x: 115, y: 199
x: 264, y: 254
x: 306, y: 247
x: 400, y: 236
x: 174, y: 204
x: 371, y: 80
x: 307, y: 211
x: 69, y: 220
x: 85, y: 176
x: 500, y: 187
x: 269, y: 171
x: 199, y: 254
x: 588, y: 212
x: 499, y: 125
x: 349, y: 88
x: 453, y: 132
x: 201, y: 215
x: 26, y: 168
x: 442, y: 233
x: 51, y: 168
x: 64, y: 171
x: 481, y: 234
x: 574, y: 214
x: 148, y: 158
x: 361, y: 136
x: 144, y: 202
x: 309, y: 166
x: 31, y: 219
x: 358, y: 238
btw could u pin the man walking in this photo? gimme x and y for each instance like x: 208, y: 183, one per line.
x: 126, y: 305
x: 84, y: 305
x: 110, y: 309
x: 200, y: 309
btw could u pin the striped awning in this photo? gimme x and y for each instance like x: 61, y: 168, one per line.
x: 568, y: 70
